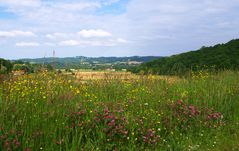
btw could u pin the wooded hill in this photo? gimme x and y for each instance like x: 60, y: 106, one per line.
x: 82, y: 62
x: 79, y: 62
x: 218, y: 57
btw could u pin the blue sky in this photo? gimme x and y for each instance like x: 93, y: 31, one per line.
x: 34, y: 28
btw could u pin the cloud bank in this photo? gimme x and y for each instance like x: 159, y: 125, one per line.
x: 114, y: 27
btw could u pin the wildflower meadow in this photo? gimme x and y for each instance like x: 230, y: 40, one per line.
x: 56, y: 112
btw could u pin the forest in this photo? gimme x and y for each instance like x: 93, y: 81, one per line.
x: 213, y: 58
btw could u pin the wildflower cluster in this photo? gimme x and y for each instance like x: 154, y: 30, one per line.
x: 202, y: 72
x: 146, y: 132
x: 43, y: 86
x: 9, y: 139
x: 188, y: 117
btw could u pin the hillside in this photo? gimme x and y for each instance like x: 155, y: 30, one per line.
x: 81, y: 62
x: 220, y: 56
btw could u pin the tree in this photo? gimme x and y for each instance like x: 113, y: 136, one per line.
x: 24, y: 67
x: 6, y: 64
x: 3, y: 69
x: 49, y: 67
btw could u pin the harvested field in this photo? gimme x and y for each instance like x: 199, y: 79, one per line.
x: 104, y: 75
x: 107, y: 75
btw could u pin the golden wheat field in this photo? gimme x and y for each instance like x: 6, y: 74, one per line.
x: 116, y: 75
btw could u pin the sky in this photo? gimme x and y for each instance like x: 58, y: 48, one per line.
x: 34, y: 28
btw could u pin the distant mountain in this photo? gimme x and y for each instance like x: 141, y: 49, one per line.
x: 81, y: 62
x: 220, y: 56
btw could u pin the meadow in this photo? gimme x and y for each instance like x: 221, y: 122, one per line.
x: 50, y: 111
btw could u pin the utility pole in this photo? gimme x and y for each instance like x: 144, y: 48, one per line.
x: 43, y: 64
x: 53, y: 59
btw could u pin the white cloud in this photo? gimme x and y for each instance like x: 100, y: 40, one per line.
x: 49, y: 44
x: 16, y: 33
x: 95, y: 42
x: 77, y: 6
x: 27, y: 44
x: 94, y: 33
x: 98, y: 33
x: 109, y: 43
x: 69, y: 43
x: 59, y: 35
x: 84, y: 43
x: 49, y: 11
x: 50, y: 36
x: 142, y: 27
x: 121, y: 40
x: 18, y: 3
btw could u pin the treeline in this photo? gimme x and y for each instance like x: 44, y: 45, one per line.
x: 7, y: 66
x: 218, y: 57
x: 79, y: 59
x: 97, y: 63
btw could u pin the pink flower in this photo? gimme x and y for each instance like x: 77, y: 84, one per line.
x: 191, y: 107
x: 112, y: 123
x: 16, y: 142
x: 180, y: 102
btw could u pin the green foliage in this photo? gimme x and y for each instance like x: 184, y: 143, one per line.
x: 49, y: 67
x: 17, y: 67
x: 5, y: 66
x: 8, y: 66
x: 218, y: 57
x: 3, y: 69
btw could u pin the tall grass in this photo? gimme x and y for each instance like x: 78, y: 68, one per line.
x: 47, y: 111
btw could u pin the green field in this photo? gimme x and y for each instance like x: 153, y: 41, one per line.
x: 47, y: 111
